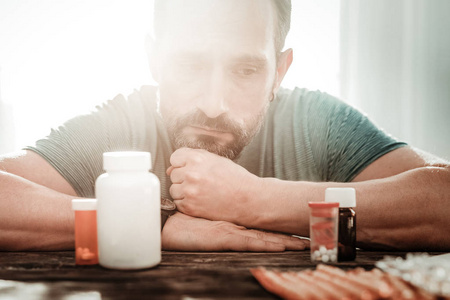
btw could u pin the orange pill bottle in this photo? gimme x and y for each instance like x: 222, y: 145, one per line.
x: 86, y: 252
x: 323, y: 231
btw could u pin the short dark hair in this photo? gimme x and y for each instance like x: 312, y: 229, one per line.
x: 282, y: 22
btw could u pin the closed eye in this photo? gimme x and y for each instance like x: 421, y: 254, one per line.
x: 246, y: 71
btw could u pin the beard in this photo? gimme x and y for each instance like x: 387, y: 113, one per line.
x: 242, y: 134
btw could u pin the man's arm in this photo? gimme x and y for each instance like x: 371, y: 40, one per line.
x: 413, y: 188
x: 36, y: 214
x: 403, y: 198
x: 35, y: 205
x: 402, y: 202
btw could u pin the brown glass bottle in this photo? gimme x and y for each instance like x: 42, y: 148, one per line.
x: 347, y: 234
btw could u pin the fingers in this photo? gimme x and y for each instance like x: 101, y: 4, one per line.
x: 290, y: 242
x: 296, y: 243
x: 256, y: 240
x: 178, y: 160
x: 169, y: 170
x: 179, y: 157
x: 177, y: 178
x: 176, y: 192
x: 248, y: 243
x: 176, y: 175
x: 183, y: 156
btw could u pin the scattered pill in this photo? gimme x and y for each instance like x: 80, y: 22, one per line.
x: 323, y: 250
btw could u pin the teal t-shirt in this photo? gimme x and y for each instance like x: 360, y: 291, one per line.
x: 306, y: 136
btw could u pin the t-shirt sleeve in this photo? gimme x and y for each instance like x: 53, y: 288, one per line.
x: 76, y: 148
x: 352, y: 140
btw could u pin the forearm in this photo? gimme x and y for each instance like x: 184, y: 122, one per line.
x: 405, y: 211
x: 33, y: 217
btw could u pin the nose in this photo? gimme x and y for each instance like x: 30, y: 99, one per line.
x: 213, y: 101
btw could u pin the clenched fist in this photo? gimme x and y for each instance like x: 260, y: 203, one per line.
x: 210, y: 186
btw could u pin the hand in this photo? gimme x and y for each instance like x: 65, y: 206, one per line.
x: 185, y: 233
x: 210, y: 186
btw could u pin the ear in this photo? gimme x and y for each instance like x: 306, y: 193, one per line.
x: 150, y: 48
x: 284, y: 62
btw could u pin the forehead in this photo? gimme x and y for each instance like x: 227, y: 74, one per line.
x: 206, y: 25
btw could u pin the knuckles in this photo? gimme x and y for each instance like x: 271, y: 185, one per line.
x: 195, y: 158
x: 191, y: 192
x: 192, y: 177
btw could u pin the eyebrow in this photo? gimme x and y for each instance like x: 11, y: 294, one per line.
x: 257, y: 58
x: 253, y: 58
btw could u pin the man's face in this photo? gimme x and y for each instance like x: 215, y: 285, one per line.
x: 216, y: 69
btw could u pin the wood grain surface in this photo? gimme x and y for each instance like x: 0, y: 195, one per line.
x: 181, y: 275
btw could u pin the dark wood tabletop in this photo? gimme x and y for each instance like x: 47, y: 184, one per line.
x: 181, y: 275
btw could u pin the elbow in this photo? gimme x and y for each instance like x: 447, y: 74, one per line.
x: 420, y: 237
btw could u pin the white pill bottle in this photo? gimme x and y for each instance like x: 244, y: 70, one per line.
x: 128, y: 212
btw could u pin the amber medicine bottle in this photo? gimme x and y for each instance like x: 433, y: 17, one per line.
x: 85, y: 231
x: 128, y: 212
x: 323, y: 231
x: 346, y: 197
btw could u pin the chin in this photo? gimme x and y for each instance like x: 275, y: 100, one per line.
x: 210, y: 144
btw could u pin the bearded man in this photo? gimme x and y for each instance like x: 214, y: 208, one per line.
x: 239, y: 155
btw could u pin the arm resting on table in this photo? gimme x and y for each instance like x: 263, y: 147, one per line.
x: 403, y: 198
x: 36, y: 214
x: 35, y: 205
x: 403, y: 202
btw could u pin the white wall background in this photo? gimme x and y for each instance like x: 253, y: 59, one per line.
x: 396, y: 67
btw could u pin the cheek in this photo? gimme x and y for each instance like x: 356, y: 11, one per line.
x: 171, y: 105
x: 175, y: 80
x: 252, y: 96
x: 176, y: 98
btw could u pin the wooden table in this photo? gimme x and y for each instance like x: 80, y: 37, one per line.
x: 181, y: 275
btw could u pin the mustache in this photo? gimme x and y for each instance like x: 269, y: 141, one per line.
x: 220, y: 123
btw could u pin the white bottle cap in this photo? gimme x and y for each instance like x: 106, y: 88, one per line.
x: 84, y: 204
x: 127, y: 160
x: 346, y: 197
